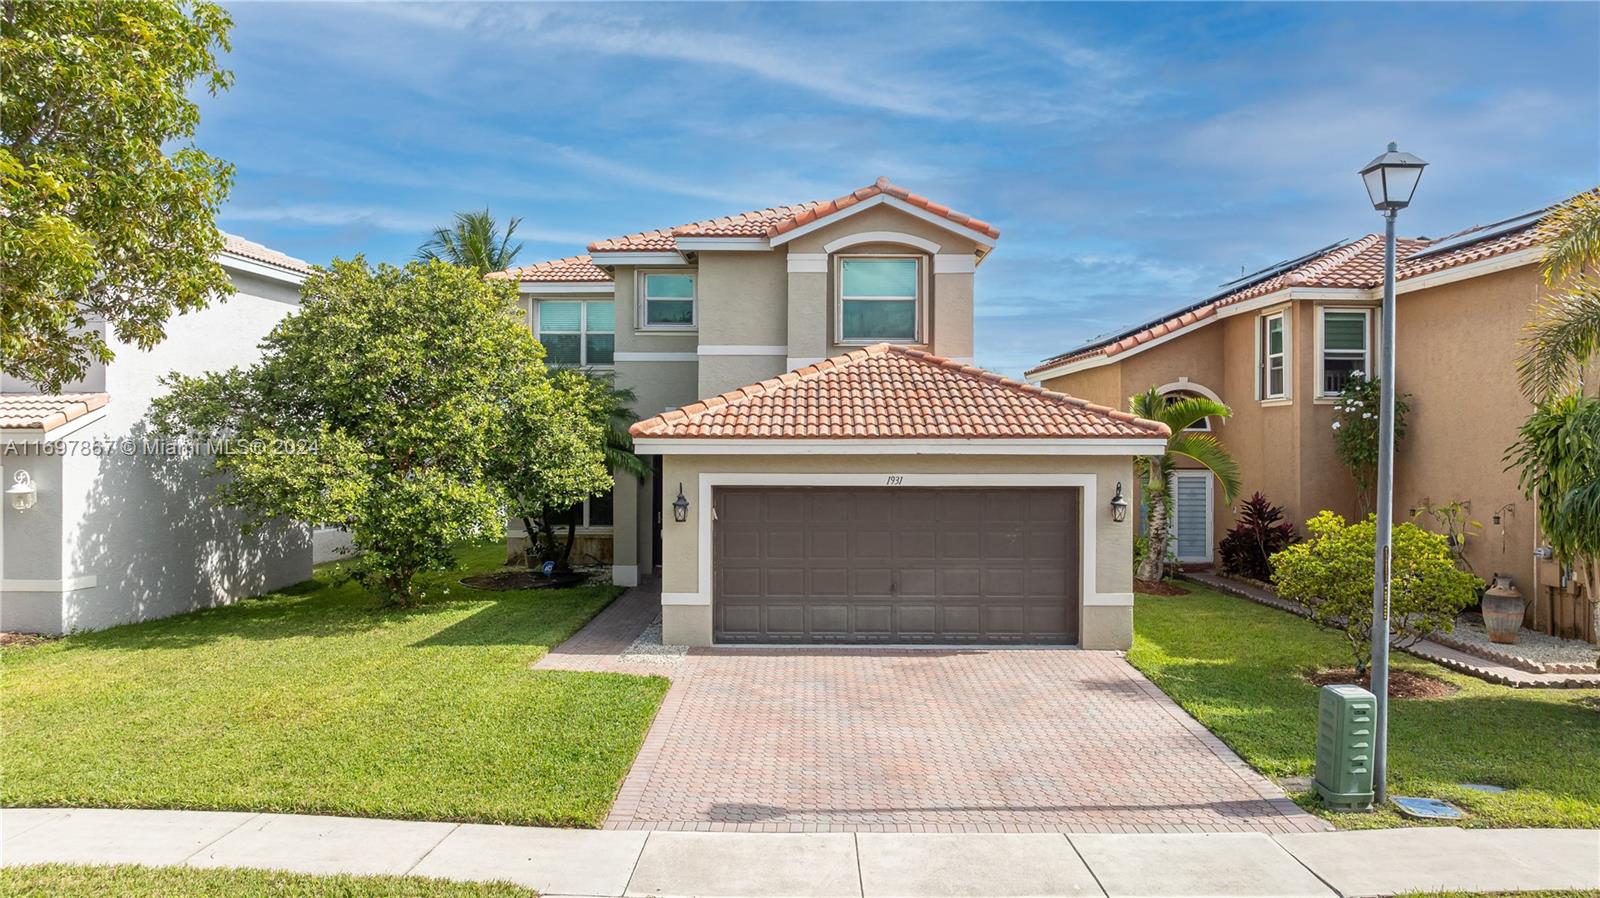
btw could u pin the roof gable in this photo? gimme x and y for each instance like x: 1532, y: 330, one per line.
x: 779, y: 220
x: 891, y: 392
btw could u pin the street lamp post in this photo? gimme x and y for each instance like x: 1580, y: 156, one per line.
x: 1391, y: 179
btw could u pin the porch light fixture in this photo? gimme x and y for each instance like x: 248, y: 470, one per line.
x: 1119, y: 505
x: 680, y: 506
x: 22, y: 492
x: 1391, y: 179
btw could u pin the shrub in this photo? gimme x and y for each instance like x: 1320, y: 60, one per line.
x: 1260, y: 533
x: 1330, y: 574
x: 1355, y: 430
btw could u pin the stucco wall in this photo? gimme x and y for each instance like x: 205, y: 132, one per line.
x: 690, y: 623
x: 142, y: 523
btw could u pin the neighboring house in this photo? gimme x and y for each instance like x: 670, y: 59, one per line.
x: 874, y: 492
x: 120, y: 531
x: 1278, y: 346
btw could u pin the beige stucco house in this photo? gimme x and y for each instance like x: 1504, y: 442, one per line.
x: 1277, y: 347
x: 828, y: 465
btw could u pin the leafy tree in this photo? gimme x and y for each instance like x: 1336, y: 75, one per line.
x: 1260, y: 533
x: 1330, y: 575
x: 474, y: 242
x: 101, y: 223
x: 425, y: 403
x: 1178, y: 413
x: 1564, y: 336
x: 1558, y: 452
x: 543, y: 504
x: 1355, y: 430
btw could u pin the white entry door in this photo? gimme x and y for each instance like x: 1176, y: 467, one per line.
x: 1191, y: 515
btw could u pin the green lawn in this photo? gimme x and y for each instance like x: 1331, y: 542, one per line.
x: 67, y: 881
x: 1235, y: 666
x: 316, y: 701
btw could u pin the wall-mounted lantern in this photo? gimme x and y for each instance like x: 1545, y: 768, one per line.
x: 1119, y: 505
x: 680, y: 506
x: 22, y: 492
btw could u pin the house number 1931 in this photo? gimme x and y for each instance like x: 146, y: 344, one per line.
x: 896, y: 479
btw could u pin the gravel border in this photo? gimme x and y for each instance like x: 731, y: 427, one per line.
x: 649, y: 649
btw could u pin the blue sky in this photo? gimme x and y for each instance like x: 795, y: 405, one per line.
x: 1133, y: 155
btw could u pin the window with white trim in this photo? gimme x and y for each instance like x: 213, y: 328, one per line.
x: 1204, y: 424
x: 592, y: 513
x: 666, y: 301
x: 879, y: 299
x: 577, y: 334
x: 1273, y: 348
x: 1346, y: 347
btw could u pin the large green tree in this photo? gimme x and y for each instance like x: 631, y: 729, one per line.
x: 109, y: 210
x: 474, y: 241
x: 406, y: 405
x: 1179, y: 413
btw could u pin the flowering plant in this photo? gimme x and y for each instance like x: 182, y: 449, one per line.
x: 1355, y: 430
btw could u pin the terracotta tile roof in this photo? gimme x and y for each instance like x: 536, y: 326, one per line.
x: 1356, y: 264
x: 891, y: 392
x: 249, y: 249
x: 46, y: 411
x: 575, y: 269
x: 781, y: 219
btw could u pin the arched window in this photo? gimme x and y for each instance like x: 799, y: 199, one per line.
x: 1182, y: 389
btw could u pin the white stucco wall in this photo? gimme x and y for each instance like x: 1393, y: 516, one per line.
x: 138, y: 525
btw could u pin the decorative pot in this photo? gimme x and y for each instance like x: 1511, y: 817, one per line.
x: 1502, y: 610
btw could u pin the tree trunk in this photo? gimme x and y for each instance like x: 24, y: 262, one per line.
x: 565, y: 564
x: 1155, y: 560
x: 530, y: 555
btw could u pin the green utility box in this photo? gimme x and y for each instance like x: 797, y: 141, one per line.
x: 1346, y: 728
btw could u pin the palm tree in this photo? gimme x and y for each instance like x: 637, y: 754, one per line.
x: 1565, y: 334
x: 473, y: 242
x: 1178, y: 413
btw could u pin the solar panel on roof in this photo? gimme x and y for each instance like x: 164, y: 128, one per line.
x: 1243, y: 282
x: 1478, y: 235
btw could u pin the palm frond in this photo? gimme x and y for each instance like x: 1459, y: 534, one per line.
x: 474, y: 241
x: 1204, y: 448
x: 1560, y: 341
x: 1574, y: 244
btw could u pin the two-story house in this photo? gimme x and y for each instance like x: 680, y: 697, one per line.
x: 115, y: 528
x: 1278, y: 346
x: 828, y: 464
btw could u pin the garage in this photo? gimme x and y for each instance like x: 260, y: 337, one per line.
x: 893, y: 565
x: 889, y: 497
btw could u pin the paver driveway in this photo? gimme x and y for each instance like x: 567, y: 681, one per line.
x: 919, y: 739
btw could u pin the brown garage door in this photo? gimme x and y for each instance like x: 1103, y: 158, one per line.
x: 896, y: 565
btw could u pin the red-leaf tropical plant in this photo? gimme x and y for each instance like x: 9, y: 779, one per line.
x: 1260, y: 533
x: 1179, y: 413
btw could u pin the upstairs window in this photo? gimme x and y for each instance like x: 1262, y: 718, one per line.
x: 667, y: 301
x: 878, y: 299
x: 1344, y: 347
x: 578, y: 334
x: 1273, y: 344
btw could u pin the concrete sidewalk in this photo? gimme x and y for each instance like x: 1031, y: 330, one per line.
x: 615, y: 863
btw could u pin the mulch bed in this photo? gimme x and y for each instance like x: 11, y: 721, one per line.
x: 504, y: 581
x: 1402, y: 683
x: 10, y: 640
x: 1158, y: 588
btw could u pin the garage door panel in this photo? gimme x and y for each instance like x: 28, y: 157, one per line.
x: 829, y: 543
x: 895, y: 565
x: 966, y: 581
x: 962, y: 620
x: 872, y: 545
x: 1004, y: 543
x: 830, y: 581
x: 916, y: 619
x: 874, y: 620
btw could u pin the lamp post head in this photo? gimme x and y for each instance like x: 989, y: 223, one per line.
x: 1392, y: 178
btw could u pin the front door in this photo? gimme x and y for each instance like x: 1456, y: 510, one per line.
x: 1191, y: 516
